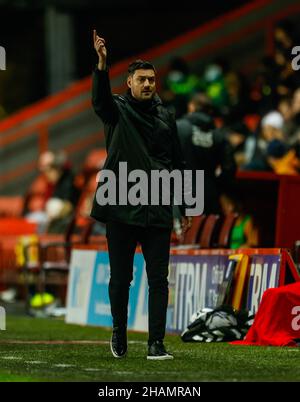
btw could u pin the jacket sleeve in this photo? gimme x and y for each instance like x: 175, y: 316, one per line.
x: 102, y: 99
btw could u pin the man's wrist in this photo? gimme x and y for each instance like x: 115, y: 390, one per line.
x: 101, y: 65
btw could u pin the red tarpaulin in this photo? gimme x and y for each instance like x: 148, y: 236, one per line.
x: 277, y: 321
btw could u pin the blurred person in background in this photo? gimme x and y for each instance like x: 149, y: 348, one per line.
x: 50, y: 202
x: 294, y: 121
x: 274, y: 77
x: 285, y: 107
x: 263, y: 94
x: 206, y: 148
x: 200, y: 102
x: 238, y: 97
x: 55, y: 206
x: 296, y: 102
x: 287, y: 78
x: 245, y: 233
x: 271, y: 128
x: 178, y: 84
x: 242, y: 141
x: 215, y: 87
x: 282, y: 158
x: 285, y: 38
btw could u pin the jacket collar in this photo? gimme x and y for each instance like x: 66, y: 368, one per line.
x: 143, y: 106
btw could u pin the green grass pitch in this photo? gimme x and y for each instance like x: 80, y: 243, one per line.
x: 35, y: 349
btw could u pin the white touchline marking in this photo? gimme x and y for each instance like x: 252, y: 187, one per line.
x: 60, y: 342
x: 34, y: 362
x: 137, y: 342
x: 11, y: 358
x: 64, y: 365
x: 124, y: 372
x: 53, y: 342
x: 93, y: 369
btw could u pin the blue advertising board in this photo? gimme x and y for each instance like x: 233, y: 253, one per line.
x: 195, y: 282
x: 264, y: 274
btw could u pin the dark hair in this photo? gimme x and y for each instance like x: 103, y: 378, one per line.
x: 277, y: 149
x: 239, y: 127
x: 140, y: 64
x: 202, y: 103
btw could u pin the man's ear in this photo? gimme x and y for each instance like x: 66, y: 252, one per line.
x: 129, y: 81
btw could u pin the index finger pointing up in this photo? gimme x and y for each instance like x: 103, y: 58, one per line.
x: 94, y: 34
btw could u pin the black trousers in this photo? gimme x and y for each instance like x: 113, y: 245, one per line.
x: 122, y: 240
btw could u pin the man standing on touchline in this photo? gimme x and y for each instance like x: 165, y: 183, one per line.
x: 141, y: 132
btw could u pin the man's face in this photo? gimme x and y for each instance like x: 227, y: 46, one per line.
x: 142, y: 84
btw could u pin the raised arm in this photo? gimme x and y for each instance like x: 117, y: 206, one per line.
x: 102, y: 99
x: 99, y: 45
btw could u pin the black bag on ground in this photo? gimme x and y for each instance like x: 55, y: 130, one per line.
x: 222, y: 324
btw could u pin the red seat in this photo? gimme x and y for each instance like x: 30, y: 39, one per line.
x: 192, y: 235
x: 225, y: 231
x: 208, y: 231
x: 36, y: 196
x: 11, y: 206
x: 95, y: 160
